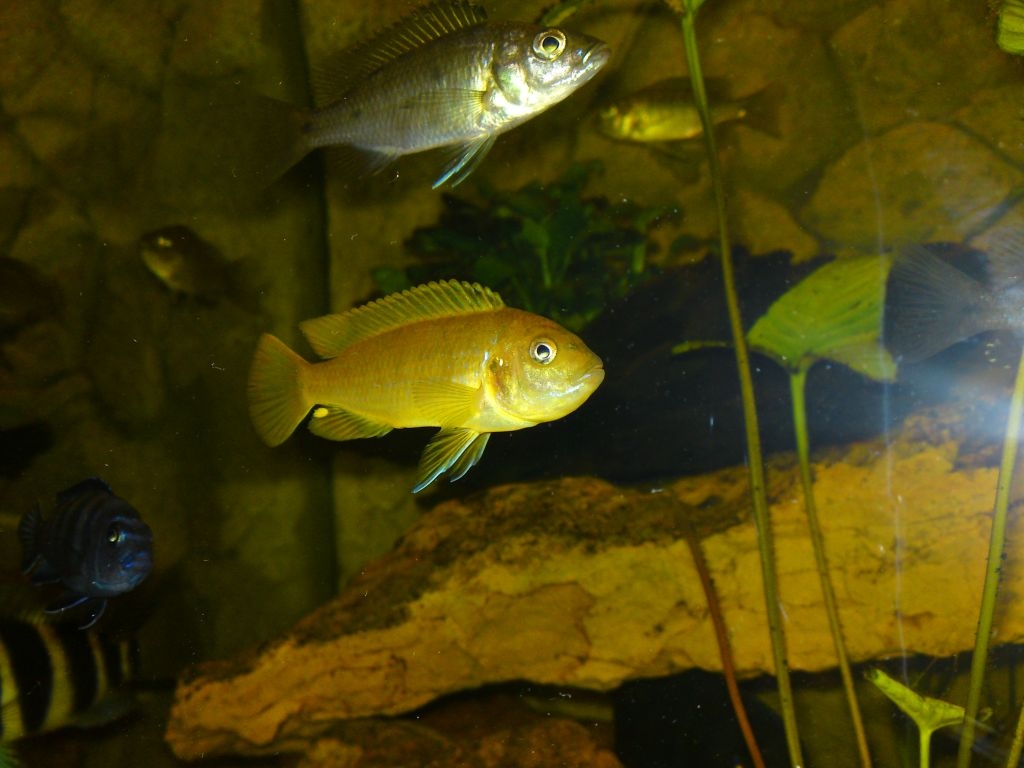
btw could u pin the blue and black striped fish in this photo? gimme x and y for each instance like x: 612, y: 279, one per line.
x: 55, y: 675
x: 95, y: 545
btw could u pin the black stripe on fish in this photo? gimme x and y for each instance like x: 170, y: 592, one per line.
x: 53, y: 675
x: 32, y: 670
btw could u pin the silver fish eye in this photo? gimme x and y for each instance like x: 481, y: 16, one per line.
x: 549, y: 44
x: 543, y: 351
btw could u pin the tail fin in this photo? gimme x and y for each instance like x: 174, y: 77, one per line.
x: 762, y: 110
x: 277, y: 404
x: 929, y: 305
x: 225, y: 141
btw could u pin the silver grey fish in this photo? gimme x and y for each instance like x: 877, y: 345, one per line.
x: 446, y: 78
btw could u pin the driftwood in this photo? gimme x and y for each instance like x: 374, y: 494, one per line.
x: 580, y: 583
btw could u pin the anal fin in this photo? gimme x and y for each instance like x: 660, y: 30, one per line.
x: 335, y: 423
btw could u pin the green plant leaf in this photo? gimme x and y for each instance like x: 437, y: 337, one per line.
x: 833, y: 314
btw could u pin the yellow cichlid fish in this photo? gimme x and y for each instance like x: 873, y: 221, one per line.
x: 448, y: 355
x: 665, y: 112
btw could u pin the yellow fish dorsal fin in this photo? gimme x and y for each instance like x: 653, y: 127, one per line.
x: 346, y: 68
x: 330, y: 334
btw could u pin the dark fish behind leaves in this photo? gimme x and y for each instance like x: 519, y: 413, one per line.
x: 53, y: 675
x: 95, y: 545
x: 931, y: 305
x: 443, y: 78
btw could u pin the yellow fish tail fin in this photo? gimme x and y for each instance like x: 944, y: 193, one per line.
x: 277, y: 401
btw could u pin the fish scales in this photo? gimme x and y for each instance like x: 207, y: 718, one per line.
x: 403, y: 105
x: 378, y: 377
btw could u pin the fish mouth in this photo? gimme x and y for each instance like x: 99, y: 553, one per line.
x: 597, y: 55
x: 593, y: 377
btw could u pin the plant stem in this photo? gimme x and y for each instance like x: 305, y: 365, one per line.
x: 755, y: 461
x: 1013, y: 758
x: 797, y: 388
x: 724, y: 649
x: 996, y: 546
x: 925, y: 748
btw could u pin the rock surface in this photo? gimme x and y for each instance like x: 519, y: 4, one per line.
x: 577, y: 582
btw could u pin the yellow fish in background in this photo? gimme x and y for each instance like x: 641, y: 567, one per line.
x: 665, y: 112
x: 448, y: 355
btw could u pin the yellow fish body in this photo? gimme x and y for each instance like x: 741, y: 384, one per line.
x: 448, y: 355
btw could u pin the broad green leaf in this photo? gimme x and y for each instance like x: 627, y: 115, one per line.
x: 833, y: 314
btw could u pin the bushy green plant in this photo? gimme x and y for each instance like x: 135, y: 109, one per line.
x: 545, y: 247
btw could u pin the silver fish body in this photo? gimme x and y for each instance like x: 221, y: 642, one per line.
x: 459, y: 89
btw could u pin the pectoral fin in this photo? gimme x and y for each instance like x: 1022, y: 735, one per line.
x: 465, y: 162
x: 446, y: 403
x: 450, y: 449
x: 336, y: 423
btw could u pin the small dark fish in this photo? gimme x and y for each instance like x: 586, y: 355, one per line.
x: 186, y: 263
x: 931, y: 305
x: 95, y: 545
x: 53, y: 675
x: 444, y: 77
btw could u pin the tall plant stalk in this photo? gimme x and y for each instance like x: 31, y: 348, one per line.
x: 724, y: 649
x: 797, y: 388
x: 755, y: 460
x: 996, y: 551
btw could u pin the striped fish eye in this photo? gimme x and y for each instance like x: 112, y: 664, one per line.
x: 114, y: 533
x: 543, y: 351
x: 549, y: 44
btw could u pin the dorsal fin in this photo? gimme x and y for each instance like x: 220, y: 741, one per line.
x: 330, y: 334
x: 341, y: 71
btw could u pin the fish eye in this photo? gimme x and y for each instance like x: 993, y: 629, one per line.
x: 549, y: 44
x: 543, y: 351
x: 113, y: 533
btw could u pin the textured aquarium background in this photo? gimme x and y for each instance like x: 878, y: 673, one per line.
x: 893, y: 122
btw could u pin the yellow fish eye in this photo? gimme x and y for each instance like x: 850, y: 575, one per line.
x: 549, y: 44
x: 113, y: 533
x: 543, y: 351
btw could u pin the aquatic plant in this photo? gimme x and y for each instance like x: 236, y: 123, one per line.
x: 996, y: 554
x: 834, y: 314
x: 1010, y: 29
x: 755, y: 461
x: 927, y: 713
x: 545, y: 248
